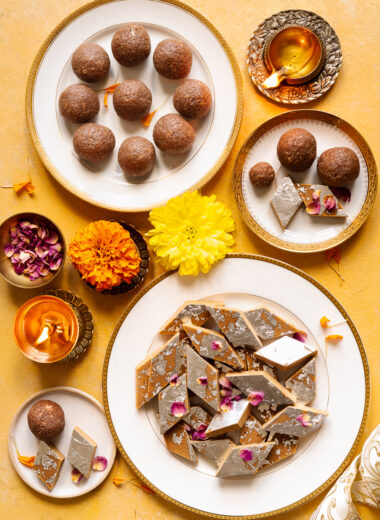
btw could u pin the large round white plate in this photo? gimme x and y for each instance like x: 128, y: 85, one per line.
x: 342, y: 378
x: 81, y: 409
x: 104, y: 184
x: 304, y: 233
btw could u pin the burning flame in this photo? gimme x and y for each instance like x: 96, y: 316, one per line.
x: 275, y: 79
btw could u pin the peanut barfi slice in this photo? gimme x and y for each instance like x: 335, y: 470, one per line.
x: 256, y: 364
x: 194, y: 311
x: 240, y: 461
x: 252, y: 431
x: 296, y: 420
x: 285, y: 202
x: 232, y: 419
x: 173, y: 403
x: 260, y: 387
x: 286, y: 352
x: 212, y: 345
x: 178, y: 441
x: 320, y: 201
x: 214, y: 449
x: 235, y: 326
x: 202, y: 378
x: 302, y: 383
x: 267, y: 325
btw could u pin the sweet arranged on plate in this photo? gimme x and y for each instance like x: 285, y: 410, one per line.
x: 46, y: 420
x: 132, y: 100
x: 235, y: 385
x: 297, y: 151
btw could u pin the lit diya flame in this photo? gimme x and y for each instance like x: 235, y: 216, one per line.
x: 53, y: 324
x: 276, y: 78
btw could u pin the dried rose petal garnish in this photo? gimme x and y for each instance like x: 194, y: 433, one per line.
x: 226, y: 392
x: 99, y: 463
x: 202, y: 381
x: 76, y: 476
x: 178, y: 409
x: 34, y: 249
x: 304, y: 420
x: 343, y: 194
x: 313, y: 208
x: 224, y: 382
x: 215, y: 345
x: 300, y: 335
x: 245, y: 455
x: 174, y: 380
x: 329, y: 202
x: 255, y: 398
x: 187, y: 427
x: 199, y: 433
x: 226, y: 404
x: 237, y: 397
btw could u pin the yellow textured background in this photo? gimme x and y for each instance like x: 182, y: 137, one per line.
x: 355, y: 97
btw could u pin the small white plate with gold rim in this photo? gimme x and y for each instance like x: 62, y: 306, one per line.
x: 80, y: 409
x: 305, y: 233
x: 244, y: 281
x: 104, y: 184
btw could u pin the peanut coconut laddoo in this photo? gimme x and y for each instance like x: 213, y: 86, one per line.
x: 132, y: 100
x: 261, y: 174
x: 297, y: 149
x: 173, y: 59
x: 46, y: 419
x: 78, y: 103
x: 192, y: 99
x: 130, y: 45
x: 338, y: 167
x: 136, y: 156
x: 173, y: 134
x: 93, y: 142
x: 90, y: 62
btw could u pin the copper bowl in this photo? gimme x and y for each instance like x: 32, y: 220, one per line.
x: 304, y: 36
x: 6, y: 267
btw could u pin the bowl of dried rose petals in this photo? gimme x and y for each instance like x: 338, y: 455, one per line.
x: 32, y: 250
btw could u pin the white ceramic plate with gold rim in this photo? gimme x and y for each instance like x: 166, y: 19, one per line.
x: 80, y: 409
x: 104, y: 184
x: 244, y: 281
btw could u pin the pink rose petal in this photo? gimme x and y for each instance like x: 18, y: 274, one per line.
x: 304, y: 420
x: 224, y: 382
x: 300, y: 336
x: 174, y: 380
x: 245, y: 455
x: 329, y: 202
x: 99, y: 463
x: 202, y: 381
x: 255, y: 398
x: 343, y: 194
x: 226, y: 404
x: 215, y: 345
x: 313, y: 208
x: 178, y: 409
x: 76, y: 476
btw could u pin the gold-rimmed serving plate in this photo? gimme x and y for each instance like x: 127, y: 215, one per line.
x: 304, y: 234
x: 104, y: 184
x: 241, y: 280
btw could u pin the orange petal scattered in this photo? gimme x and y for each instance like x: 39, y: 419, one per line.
x: 27, y: 461
x: 109, y: 90
x: 334, y: 337
x: 105, y: 99
x: 146, y: 120
x: 335, y: 255
x: 119, y: 481
x: 324, y: 321
x: 135, y: 482
x: 19, y: 187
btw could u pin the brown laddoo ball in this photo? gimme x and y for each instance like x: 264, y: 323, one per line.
x: 130, y: 45
x: 46, y: 419
x: 173, y: 134
x: 338, y: 166
x: 261, y: 174
x: 90, y: 62
x: 136, y: 156
x: 132, y: 99
x: 192, y: 99
x: 78, y: 103
x: 173, y: 59
x: 93, y: 142
x: 297, y: 149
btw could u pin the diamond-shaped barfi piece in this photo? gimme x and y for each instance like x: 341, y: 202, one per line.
x: 267, y: 325
x: 197, y: 417
x: 302, y: 383
x: 256, y: 364
x: 194, y: 311
x: 286, y: 352
x: 202, y: 378
x: 285, y: 202
x: 173, y: 403
x: 240, y: 461
x: 212, y: 345
x: 252, y: 382
x: 264, y: 411
x: 320, y: 201
x: 214, y: 449
x: 48, y: 463
x: 232, y: 419
x: 142, y: 382
x: 296, y: 420
x: 284, y: 446
x: 252, y: 431
x: 235, y: 326
x: 177, y: 440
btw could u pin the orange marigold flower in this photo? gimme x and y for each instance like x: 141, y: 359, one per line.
x: 104, y: 254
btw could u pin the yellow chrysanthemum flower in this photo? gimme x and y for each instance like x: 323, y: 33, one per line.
x: 191, y: 233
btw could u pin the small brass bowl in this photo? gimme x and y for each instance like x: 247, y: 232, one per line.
x: 6, y: 266
x: 292, y: 43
